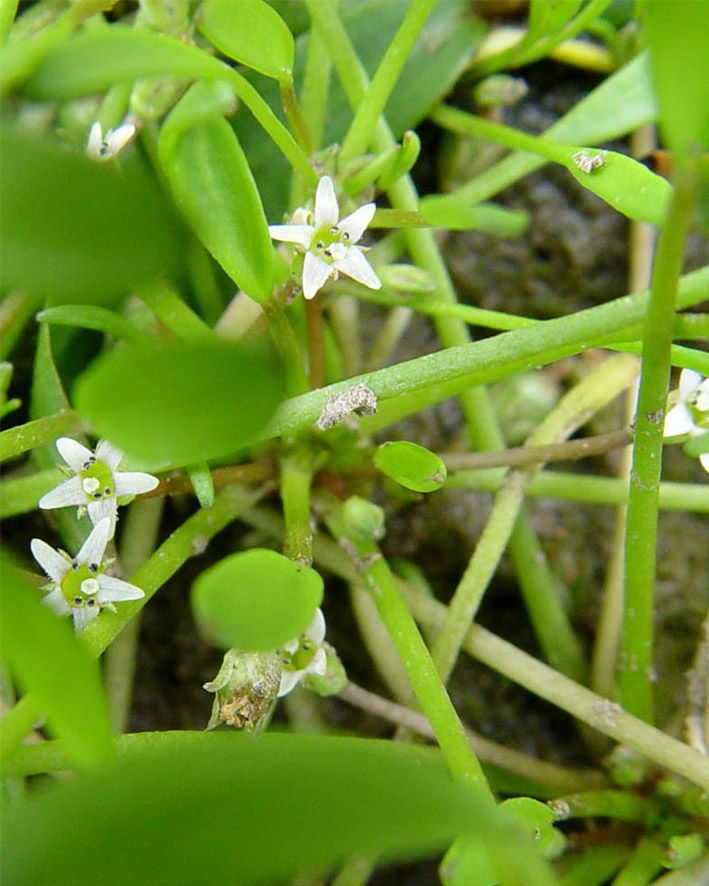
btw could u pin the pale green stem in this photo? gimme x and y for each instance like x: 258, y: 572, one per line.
x: 594, y: 866
x: 592, y: 490
x: 637, y: 675
x: 344, y: 318
x: 645, y: 863
x: 8, y: 8
x: 16, y: 310
x: 694, y: 873
x: 620, y: 805
x: 316, y: 86
x: 172, y: 311
x: 140, y: 530
x: 375, y: 98
x: 295, y: 117
x: 296, y: 477
x: 389, y: 336
x: 573, y: 410
x: 285, y: 343
x: 522, y: 668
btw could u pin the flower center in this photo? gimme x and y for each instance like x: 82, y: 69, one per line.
x: 330, y: 244
x: 302, y: 657
x: 79, y: 586
x: 96, y: 480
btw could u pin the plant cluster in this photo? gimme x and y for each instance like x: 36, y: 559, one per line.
x: 202, y: 200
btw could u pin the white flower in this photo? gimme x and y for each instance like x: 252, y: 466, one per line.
x: 78, y: 587
x: 329, y: 243
x: 98, y: 482
x: 304, y: 655
x: 690, y: 412
x: 99, y: 147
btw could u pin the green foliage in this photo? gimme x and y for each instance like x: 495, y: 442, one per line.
x: 47, y: 659
x: 251, y: 32
x: 456, y: 214
x: 411, y: 465
x: 180, y: 402
x: 255, y: 600
x: 96, y: 230
x: 216, y: 806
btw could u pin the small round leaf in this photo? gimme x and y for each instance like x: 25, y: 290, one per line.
x: 255, y: 600
x: 411, y: 465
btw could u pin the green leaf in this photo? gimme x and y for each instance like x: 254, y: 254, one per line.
x: 47, y: 659
x: 255, y: 600
x: 180, y: 402
x: 678, y: 34
x: 216, y: 808
x: 251, y: 32
x: 546, y: 17
x: 411, y: 465
x: 202, y: 483
x: 213, y: 186
x: 626, y: 185
x: 93, y: 317
x: 79, y: 230
x: 454, y: 213
x: 95, y: 60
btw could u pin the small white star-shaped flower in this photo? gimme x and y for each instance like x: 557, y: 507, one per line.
x: 304, y: 655
x: 329, y: 244
x: 98, y: 482
x: 99, y: 147
x: 690, y: 412
x: 78, y: 586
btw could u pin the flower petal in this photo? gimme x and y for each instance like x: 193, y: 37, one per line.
x: 703, y: 396
x: 704, y: 461
x: 678, y: 421
x: 83, y: 616
x: 316, y: 628
x: 73, y: 453
x: 56, y: 602
x: 356, y: 266
x: 289, y: 680
x: 133, y: 483
x: 302, y: 234
x: 67, y: 493
x: 689, y: 380
x: 318, y: 663
x: 108, y: 454
x: 101, y: 510
x: 115, y: 590
x: 93, y: 548
x: 51, y: 561
x: 315, y: 274
x: 95, y: 141
x: 358, y: 221
x: 326, y: 208
x: 118, y: 138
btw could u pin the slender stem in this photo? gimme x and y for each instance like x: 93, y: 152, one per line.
x: 295, y: 117
x: 285, y: 342
x: 32, y: 434
x: 165, y: 302
x: 637, y: 675
x: 316, y: 86
x: 375, y: 98
x: 296, y: 477
x: 593, y: 490
x: 642, y: 867
x: 557, y: 778
x: 620, y: 805
x: 316, y: 343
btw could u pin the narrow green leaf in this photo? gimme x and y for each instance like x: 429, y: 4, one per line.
x: 47, y: 659
x: 255, y: 600
x: 95, y: 60
x: 217, y: 808
x: 202, y: 483
x: 180, y: 402
x: 546, y: 17
x: 93, y: 317
x: 454, y: 213
x: 251, y: 32
x: 213, y: 186
x: 79, y: 230
x: 411, y: 465
x: 678, y: 34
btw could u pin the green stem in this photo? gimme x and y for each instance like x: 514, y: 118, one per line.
x: 164, y: 301
x: 642, y: 867
x: 30, y: 435
x: 476, y: 363
x: 592, y: 490
x: 430, y: 691
x: 316, y: 86
x: 295, y: 117
x: 619, y: 805
x: 296, y: 478
x: 595, y: 866
x: 375, y: 98
x: 636, y: 674
x: 285, y: 343
x: 16, y: 311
